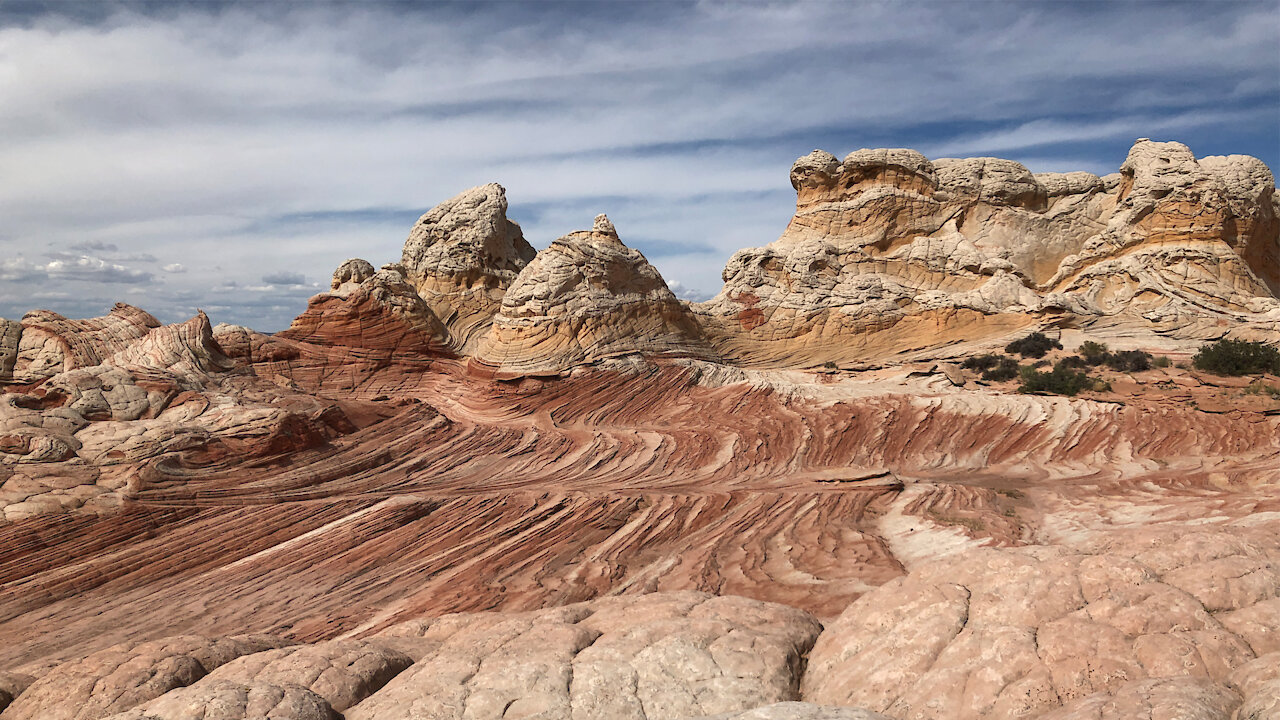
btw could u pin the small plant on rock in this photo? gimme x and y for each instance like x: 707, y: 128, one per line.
x: 1238, y: 357
x: 1093, y: 353
x: 1062, y: 380
x: 1035, y: 345
x: 995, y: 368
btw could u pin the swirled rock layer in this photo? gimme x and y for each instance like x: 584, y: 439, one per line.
x: 890, y: 253
x: 584, y: 299
x: 461, y: 257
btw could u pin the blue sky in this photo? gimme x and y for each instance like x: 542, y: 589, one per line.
x: 228, y: 156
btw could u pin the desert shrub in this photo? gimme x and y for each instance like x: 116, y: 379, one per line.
x: 992, y: 367
x: 981, y: 362
x: 1035, y: 345
x: 1259, y: 388
x: 1062, y: 380
x: 1238, y: 357
x: 829, y: 365
x: 1005, y: 369
x: 1093, y: 353
x: 1129, y: 361
x: 1075, y: 362
x: 1162, y: 361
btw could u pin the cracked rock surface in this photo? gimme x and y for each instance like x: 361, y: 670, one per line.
x: 668, y: 655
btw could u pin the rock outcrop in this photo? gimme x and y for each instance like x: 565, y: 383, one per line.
x: 653, y: 656
x: 1140, y: 626
x: 584, y: 299
x: 121, y: 677
x: 371, y: 310
x: 635, y: 523
x: 889, y: 252
x: 461, y: 257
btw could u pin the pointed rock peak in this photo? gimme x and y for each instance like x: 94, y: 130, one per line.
x: 602, y: 226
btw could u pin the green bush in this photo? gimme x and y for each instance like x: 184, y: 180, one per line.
x: 992, y: 367
x: 1162, y: 361
x: 1129, y: 361
x: 1093, y: 353
x: 1062, y: 380
x: 981, y: 362
x: 1238, y: 357
x: 1035, y: 345
x: 1005, y: 369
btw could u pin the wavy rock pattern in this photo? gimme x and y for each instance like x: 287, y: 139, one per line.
x: 480, y: 483
x: 889, y: 252
x: 585, y: 299
x: 462, y: 256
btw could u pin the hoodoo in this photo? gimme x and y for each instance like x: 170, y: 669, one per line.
x: 461, y: 257
x: 586, y: 298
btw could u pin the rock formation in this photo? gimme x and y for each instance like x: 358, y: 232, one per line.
x: 462, y: 256
x: 587, y: 298
x: 482, y: 484
x: 370, y: 310
x: 890, y: 252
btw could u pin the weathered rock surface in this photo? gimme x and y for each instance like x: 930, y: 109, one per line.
x: 584, y: 299
x: 341, y: 672
x: 652, y: 656
x: 121, y: 677
x: 1015, y: 633
x: 462, y: 256
x: 801, y: 711
x: 601, y: 532
x: 372, y: 310
x: 889, y: 252
x: 225, y: 700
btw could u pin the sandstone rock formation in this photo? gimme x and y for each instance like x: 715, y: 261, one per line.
x: 587, y: 298
x: 123, y: 676
x: 801, y: 711
x: 370, y: 310
x: 652, y: 656
x: 1140, y: 626
x: 650, y: 511
x: 341, y: 672
x: 890, y: 252
x: 462, y: 256
x: 225, y: 700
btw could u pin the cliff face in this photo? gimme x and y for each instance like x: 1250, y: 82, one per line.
x: 889, y: 251
x: 480, y: 483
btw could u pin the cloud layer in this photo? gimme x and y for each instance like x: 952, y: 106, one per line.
x: 228, y: 156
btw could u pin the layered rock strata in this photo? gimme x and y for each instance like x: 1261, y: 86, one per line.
x: 373, y: 310
x: 586, y: 298
x: 889, y: 252
x: 461, y: 257
x: 630, y: 526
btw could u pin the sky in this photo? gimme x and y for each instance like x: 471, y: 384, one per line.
x: 228, y: 156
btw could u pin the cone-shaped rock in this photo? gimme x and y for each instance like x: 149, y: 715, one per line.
x: 373, y: 310
x: 462, y: 256
x: 586, y: 298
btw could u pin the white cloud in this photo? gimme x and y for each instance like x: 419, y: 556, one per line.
x: 175, y: 268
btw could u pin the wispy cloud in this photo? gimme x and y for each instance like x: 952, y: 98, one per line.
x: 227, y: 138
